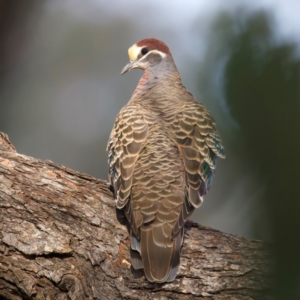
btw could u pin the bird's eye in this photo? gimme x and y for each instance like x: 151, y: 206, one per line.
x: 144, y: 51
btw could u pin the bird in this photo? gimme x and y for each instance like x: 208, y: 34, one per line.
x: 162, y: 155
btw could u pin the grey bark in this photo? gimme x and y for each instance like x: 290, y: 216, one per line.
x: 61, y: 238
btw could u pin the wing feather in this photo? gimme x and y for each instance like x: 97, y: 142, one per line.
x: 125, y: 143
x: 200, y: 145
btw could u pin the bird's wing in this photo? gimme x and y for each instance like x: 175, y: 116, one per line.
x: 200, y: 145
x: 128, y: 134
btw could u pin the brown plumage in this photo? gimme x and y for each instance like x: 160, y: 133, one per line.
x: 162, y: 156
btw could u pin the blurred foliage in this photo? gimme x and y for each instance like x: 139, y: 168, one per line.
x: 262, y: 89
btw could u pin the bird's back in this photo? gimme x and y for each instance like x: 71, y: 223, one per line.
x: 157, y: 195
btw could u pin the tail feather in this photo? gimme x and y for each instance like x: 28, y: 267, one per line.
x: 136, y: 259
x: 159, y: 254
x: 134, y: 242
x: 176, y: 259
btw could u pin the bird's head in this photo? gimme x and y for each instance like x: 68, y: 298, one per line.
x: 146, y: 54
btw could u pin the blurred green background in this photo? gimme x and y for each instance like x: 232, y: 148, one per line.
x: 61, y: 89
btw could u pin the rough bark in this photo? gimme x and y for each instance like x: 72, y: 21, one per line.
x: 61, y: 238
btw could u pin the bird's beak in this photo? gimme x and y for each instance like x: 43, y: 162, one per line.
x: 129, y: 66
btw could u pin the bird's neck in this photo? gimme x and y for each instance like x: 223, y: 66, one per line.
x: 155, y: 82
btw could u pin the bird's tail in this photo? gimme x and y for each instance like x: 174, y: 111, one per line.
x: 157, y: 254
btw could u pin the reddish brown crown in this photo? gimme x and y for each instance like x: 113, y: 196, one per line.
x: 154, y: 44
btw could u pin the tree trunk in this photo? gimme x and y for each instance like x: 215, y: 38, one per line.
x: 61, y: 238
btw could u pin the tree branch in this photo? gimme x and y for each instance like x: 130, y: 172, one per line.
x: 60, y: 238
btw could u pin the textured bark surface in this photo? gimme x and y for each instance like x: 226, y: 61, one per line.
x: 60, y: 238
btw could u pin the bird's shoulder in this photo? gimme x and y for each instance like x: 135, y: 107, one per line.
x: 133, y: 113
x: 131, y: 125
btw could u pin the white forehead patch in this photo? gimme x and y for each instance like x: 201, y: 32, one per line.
x: 134, y: 51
